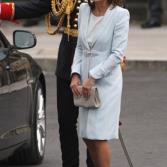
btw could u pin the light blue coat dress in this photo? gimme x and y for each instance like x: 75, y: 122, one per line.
x: 102, y: 62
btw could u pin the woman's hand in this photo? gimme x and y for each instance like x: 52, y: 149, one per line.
x: 87, y: 86
x: 75, y: 82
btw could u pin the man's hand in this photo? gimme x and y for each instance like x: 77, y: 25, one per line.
x: 123, y: 63
x: 75, y: 82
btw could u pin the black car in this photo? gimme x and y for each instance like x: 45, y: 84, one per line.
x: 22, y: 102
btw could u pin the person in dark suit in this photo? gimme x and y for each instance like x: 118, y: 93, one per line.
x: 155, y: 12
x: 67, y: 112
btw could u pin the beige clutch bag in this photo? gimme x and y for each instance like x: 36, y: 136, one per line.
x: 92, y: 102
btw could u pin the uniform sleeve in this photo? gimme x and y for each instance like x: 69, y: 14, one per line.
x: 31, y: 8
x: 119, y: 44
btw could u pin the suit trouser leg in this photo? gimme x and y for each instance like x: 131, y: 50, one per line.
x: 155, y: 9
x: 67, y: 118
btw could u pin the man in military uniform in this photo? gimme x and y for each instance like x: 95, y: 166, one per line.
x: 67, y: 112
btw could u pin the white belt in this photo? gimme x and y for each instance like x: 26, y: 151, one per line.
x: 89, y: 53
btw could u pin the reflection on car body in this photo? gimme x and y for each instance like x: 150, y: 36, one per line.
x: 20, y: 104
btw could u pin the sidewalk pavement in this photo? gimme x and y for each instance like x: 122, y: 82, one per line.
x: 146, y: 48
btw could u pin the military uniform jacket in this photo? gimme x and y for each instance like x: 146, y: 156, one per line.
x: 36, y: 8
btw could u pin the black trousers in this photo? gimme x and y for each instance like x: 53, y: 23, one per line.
x: 155, y: 10
x: 67, y: 118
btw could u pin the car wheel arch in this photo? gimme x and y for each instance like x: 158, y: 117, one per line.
x: 39, y: 79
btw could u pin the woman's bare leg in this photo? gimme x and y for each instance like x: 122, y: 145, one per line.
x: 99, y: 151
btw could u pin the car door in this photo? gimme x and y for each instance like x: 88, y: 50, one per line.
x: 5, y: 116
x: 18, y: 89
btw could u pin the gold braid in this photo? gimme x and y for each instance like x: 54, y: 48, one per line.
x: 49, y: 29
x: 60, y: 9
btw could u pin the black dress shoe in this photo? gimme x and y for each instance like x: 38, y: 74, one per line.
x: 150, y: 24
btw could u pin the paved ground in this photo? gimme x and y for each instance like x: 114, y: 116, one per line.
x: 144, y: 122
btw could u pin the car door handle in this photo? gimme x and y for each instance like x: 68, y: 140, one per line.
x: 7, y: 67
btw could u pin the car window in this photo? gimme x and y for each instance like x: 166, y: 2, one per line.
x: 2, y: 55
x: 3, y: 41
x: 1, y: 44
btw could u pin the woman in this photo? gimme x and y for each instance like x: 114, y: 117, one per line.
x: 102, y: 40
